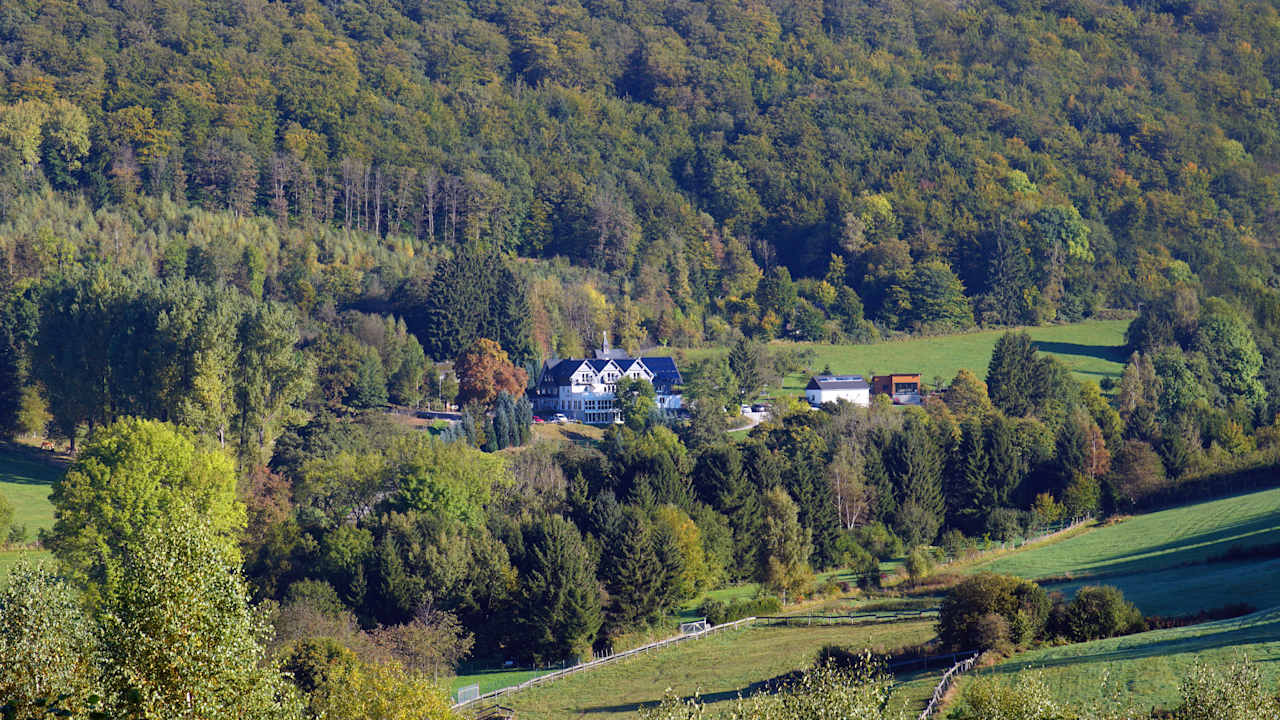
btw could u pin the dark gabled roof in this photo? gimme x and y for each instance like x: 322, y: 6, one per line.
x: 562, y: 371
x: 837, y: 382
x: 664, y: 370
x: 598, y: 364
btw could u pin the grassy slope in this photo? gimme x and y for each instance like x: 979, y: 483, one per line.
x: 1152, y: 557
x: 1092, y: 349
x: 26, y: 479
x: 718, y: 667
x: 1145, y: 669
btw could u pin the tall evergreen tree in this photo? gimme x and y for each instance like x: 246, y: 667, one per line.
x: 633, y: 573
x: 915, y: 464
x: 1011, y: 374
x: 558, y: 608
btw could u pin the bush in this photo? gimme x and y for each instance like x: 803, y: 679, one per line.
x: 718, y: 612
x: 1100, y: 612
x: 956, y: 545
x: 919, y: 562
x: 878, y: 540
x: 1004, y: 524
x: 1029, y: 698
x: 1023, y: 605
x: 1235, y: 692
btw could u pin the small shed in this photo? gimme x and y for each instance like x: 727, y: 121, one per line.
x: 832, y: 388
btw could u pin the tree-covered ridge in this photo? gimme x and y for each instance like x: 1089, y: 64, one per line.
x: 1045, y: 159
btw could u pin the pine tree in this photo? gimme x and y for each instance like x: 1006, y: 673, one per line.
x: 915, y: 464
x: 969, y: 490
x: 1011, y: 374
x: 633, y: 573
x: 558, y: 608
x: 744, y: 362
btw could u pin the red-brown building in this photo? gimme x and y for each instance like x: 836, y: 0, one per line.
x: 903, y: 387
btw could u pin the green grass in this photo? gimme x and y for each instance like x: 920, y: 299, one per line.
x: 1145, y: 669
x: 26, y: 479
x: 490, y: 680
x: 1157, y: 559
x: 719, y: 667
x: 1092, y: 349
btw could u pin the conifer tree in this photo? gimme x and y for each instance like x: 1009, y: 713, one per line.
x: 1011, y: 374
x: 558, y: 607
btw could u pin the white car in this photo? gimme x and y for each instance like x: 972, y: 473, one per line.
x: 560, y: 418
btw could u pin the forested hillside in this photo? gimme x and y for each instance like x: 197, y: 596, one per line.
x: 1047, y: 160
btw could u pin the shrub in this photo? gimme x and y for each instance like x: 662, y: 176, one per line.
x: 1023, y: 605
x: 1235, y: 692
x: 1005, y: 524
x: 878, y: 540
x: 919, y: 562
x: 718, y: 612
x: 1027, y: 699
x: 1100, y: 612
x: 955, y: 544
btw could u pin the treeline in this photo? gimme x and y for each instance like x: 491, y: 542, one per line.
x: 913, y: 165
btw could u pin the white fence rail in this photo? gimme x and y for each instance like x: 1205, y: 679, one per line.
x: 945, y: 684
x: 605, y: 660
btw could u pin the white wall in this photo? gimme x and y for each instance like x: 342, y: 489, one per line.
x: 857, y: 397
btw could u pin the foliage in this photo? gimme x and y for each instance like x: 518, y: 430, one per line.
x: 1020, y: 603
x: 484, y: 370
x: 178, y: 637
x: 132, y: 476
x: 1100, y: 612
x: 47, y: 645
x: 785, y: 546
x: 1234, y: 692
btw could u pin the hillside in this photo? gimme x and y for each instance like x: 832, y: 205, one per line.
x: 1146, y: 669
x: 915, y: 164
x: 1168, y: 562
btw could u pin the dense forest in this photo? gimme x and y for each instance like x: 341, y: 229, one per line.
x: 233, y: 232
x: 780, y: 168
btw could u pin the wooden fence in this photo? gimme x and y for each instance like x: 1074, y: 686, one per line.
x: 605, y: 660
x: 945, y: 684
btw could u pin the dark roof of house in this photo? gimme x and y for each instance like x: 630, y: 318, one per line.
x: 837, y: 382
x: 598, y: 364
x: 562, y: 371
x: 664, y: 370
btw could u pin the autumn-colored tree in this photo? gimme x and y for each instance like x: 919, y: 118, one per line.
x: 484, y: 370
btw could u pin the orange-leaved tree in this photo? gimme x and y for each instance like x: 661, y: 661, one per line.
x: 484, y: 370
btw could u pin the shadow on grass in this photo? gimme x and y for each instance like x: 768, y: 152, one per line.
x: 1113, y: 353
x: 1188, y: 549
x: 22, y: 465
x: 1251, y: 629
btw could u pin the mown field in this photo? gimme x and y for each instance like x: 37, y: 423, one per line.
x: 1158, y: 559
x: 1093, y: 350
x: 26, y: 479
x: 719, y: 668
x: 1145, y: 669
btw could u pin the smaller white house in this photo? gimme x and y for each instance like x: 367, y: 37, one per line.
x: 831, y: 388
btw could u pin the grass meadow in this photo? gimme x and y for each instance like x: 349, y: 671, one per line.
x: 1158, y: 559
x: 1093, y: 349
x: 26, y: 479
x: 718, y: 667
x: 1145, y: 669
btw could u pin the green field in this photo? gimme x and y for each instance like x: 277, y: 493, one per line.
x: 1092, y: 349
x: 1155, y: 541
x: 1158, y: 559
x: 26, y: 479
x: 719, y: 667
x: 1145, y: 669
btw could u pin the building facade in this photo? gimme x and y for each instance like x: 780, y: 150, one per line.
x: 584, y: 389
x: 832, y: 388
x: 904, y: 388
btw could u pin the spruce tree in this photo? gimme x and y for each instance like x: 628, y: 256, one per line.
x: 633, y: 574
x: 1011, y: 374
x: 915, y: 464
x: 558, y: 607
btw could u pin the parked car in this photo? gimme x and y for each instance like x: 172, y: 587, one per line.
x: 759, y: 407
x: 560, y: 418
x: 538, y: 419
